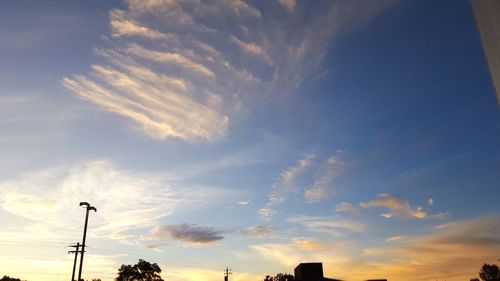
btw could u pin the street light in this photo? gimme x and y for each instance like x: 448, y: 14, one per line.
x: 89, y: 208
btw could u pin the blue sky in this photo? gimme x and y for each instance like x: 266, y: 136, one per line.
x: 249, y: 134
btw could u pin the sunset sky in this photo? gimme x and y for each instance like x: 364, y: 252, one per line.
x: 253, y: 135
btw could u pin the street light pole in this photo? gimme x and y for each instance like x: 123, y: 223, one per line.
x: 89, y: 208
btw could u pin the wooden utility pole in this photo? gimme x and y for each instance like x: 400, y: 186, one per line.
x: 227, y: 272
x: 76, y: 251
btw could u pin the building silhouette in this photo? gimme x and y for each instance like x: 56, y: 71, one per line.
x: 487, y: 14
x: 313, y: 271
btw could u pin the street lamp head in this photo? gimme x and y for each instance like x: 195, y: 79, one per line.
x: 84, y: 204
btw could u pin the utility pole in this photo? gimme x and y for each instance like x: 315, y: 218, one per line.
x: 89, y: 208
x: 227, y: 272
x: 76, y: 251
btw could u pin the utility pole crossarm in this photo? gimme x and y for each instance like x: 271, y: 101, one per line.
x: 76, y: 251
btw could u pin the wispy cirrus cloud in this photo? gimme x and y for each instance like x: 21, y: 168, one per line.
x: 346, y: 207
x: 453, y: 251
x: 324, y: 184
x: 400, y: 208
x: 122, y: 26
x: 314, y: 177
x: 330, y: 225
x: 287, y: 183
x: 260, y: 231
x: 48, y: 199
x: 288, y: 4
x: 303, y: 249
x: 225, y: 56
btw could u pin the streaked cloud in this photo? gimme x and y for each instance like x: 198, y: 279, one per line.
x: 346, y: 207
x: 49, y: 198
x: 287, y: 183
x: 250, y: 48
x: 149, y: 103
x: 225, y: 57
x: 430, y: 201
x: 324, y: 185
x: 123, y: 27
x: 401, y: 208
x: 453, y: 251
x: 309, y: 244
x: 330, y: 225
x: 279, y: 253
x: 176, y: 60
x: 260, y: 231
x: 309, y: 169
x: 303, y: 249
x: 191, y: 233
x: 288, y: 4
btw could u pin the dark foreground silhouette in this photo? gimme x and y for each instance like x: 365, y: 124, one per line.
x: 141, y: 271
x: 7, y: 278
x: 489, y: 272
x: 145, y: 271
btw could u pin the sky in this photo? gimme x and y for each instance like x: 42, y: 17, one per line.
x: 253, y: 135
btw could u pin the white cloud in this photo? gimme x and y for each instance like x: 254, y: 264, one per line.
x: 401, y: 208
x: 281, y: 253
x: 211, y: 50
x: 124, y: 200
x: 288, y: 4
x: 250, y: 48
x: 123, y: 27
x: 323, y: 176
x: 346, y: 207
x: 324, y: 184
x: 300, y: 250
x: 287, y: 183
x: 171, y: 58
x: 453, y: 251
x: 330, y: 225
x: 150, y: 105
x: 430, y: 202
x: 260, y: 231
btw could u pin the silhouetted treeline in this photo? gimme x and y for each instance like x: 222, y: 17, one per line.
x: 141, y: 271
x: 489, y: 272
x: 280, y: 277
x: 7, y: 278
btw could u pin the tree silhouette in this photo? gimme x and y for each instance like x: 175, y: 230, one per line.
x: 7, y: 278
x: 142, y: 271
x: 489, y: 272
x: 284, y: 277
x: 280, y: 277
